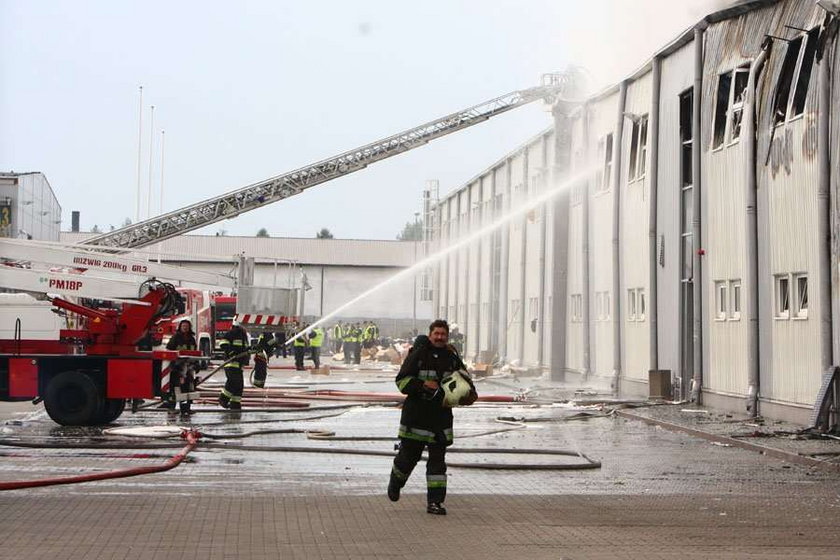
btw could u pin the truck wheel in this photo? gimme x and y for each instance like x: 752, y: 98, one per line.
x: 204, y: 346
x: 112, y: 410
x: 73, y: 399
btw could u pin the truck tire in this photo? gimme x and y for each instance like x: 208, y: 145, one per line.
x: 112, y: 409
x: 73, y: 399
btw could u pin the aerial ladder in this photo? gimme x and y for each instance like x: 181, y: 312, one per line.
x: 86, y: 373
x: 283, y: 186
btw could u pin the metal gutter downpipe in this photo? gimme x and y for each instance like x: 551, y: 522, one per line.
x: 653, y: 310
x: 616, y: 237
x: 827, y: 265
x: 543, y: 211
x: 523, y: 262
x: 585, y: 255
x: 696, y: 230
x: 751, y: 284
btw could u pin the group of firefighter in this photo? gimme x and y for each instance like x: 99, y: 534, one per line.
x: 352, y: 337
x: 237, y: 350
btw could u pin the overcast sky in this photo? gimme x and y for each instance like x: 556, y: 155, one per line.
x: 248, y: 90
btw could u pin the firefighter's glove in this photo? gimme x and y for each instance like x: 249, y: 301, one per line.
x: 431, y: 391
x: 467, y: 400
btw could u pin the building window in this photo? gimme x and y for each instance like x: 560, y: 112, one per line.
x: 577, y: 308
x: 721, y: 300
x: 641, y: 311
x: 607, y: 310
x: 794, y: 79
x: 604, y: 175
x: 631, y: 304
x: 638, y: 148
x: 735, y: 300
x: 729, y: 105
x: 687, y: 137
x: 800, y: 285
x: 782, y: 296
x: 513, y: 310
x: 533, y: 307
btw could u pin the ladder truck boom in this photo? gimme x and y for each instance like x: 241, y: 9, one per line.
x: 87, y: 370
x: 294, y: 182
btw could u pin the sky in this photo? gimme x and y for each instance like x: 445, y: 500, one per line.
x: 244, y: 91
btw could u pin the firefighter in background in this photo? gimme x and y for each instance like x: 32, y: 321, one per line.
x: 316, y: 340
x: 263, y: 350
x: 180, y: 374
x: 280, y: 343
x: 353, y: 344
x: 234, y: 343
x: 337, y: 337
x: 349, y: 338
x: 299, y: 348
x: 367, y: 335
x: 456, y: 338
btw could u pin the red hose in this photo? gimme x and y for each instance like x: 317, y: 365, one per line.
x: 192, y: 440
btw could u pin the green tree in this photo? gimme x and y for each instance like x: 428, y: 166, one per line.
x: 324, y: 234
x: 263, y: 233
x: 126, y: 222
x: 95, y: 229
x: 221, y: 233
x: 413, y: 231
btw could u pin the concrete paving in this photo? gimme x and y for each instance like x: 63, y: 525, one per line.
x: 658, y: 494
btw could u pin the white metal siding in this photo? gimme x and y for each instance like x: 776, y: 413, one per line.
x: 677, y: 77
x: 635, y: 218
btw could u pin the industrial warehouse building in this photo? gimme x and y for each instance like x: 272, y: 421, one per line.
x: 703, y: 244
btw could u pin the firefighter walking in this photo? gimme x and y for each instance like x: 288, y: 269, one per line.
x: 426, y: 419
x: 234, y: 343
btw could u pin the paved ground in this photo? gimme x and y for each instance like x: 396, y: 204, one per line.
x: 658, y: 494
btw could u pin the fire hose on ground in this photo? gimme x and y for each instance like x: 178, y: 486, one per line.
x: 193, y: 436
x: 190, y: 435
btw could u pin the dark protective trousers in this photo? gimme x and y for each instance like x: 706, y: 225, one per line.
x: 316, y: 356
x: 234, y: 383
x: 300, y: 352
x: 407, y: 458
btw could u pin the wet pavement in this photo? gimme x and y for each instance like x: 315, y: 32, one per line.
x: 659, y: 493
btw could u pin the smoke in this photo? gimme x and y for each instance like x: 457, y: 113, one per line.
x: 614, y: 37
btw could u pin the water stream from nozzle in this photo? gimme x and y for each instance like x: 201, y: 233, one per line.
x: 518, y: 211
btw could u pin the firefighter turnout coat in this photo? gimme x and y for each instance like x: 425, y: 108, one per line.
x: 424, y: 418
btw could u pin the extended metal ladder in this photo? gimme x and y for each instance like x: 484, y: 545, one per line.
x: 289, y: 184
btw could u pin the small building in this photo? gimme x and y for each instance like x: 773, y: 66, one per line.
x: 28, y: 207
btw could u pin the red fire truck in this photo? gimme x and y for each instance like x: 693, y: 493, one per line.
x: 85, y: 374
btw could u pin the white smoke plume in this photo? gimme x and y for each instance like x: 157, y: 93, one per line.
x: 620, y: 35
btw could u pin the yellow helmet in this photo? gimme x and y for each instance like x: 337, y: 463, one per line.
x: 455, y: 387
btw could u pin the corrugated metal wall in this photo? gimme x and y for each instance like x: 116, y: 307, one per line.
x: 574, y: 318
x: 603, y: 115
x: 635, y: 252
x: 788, y: 181
x: 677, y: 77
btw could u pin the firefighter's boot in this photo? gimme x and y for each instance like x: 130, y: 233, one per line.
x: 436, y: 508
